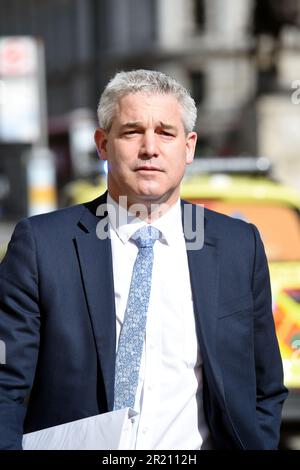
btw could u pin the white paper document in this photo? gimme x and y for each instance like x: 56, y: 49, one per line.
x: 108, y: 431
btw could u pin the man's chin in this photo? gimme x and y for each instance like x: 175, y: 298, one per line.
x: 150, y: 196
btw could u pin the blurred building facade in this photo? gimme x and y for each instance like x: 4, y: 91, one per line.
x: 238, y: 57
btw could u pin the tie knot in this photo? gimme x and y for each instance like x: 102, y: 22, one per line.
x: 146, y: 236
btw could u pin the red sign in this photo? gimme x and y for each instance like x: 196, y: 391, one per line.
x: 18, y: 56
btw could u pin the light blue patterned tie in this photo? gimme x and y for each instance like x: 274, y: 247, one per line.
x: 132, y: 335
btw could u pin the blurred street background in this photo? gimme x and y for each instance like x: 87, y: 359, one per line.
x: 241, y: 61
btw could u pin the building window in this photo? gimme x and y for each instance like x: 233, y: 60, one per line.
x: 197, y: 86
x: 199, y: 14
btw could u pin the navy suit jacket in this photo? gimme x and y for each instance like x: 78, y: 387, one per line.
x: 57, y: 319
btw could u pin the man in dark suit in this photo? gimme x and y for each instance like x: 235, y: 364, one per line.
x: 210, y: 374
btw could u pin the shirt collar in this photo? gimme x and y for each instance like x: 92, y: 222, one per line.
x: 125, y: 224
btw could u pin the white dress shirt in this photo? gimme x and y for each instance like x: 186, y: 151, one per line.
x: 169, y: 394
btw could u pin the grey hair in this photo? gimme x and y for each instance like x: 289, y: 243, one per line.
x: 144, y: 81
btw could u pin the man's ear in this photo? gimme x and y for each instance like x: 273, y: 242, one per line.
x: 100, y: 138
x: 191, y: 141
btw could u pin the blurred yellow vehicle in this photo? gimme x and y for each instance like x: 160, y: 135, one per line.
x: 240, y: 188
x: 275, y: 210
x: 2, y: 251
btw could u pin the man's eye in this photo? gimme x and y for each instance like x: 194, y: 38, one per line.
x: 136, y: 131
x: 168, y: 134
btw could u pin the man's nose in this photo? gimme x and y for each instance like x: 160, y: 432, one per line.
x: 149, y: 145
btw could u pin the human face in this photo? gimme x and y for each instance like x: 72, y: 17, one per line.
x: 147, y: 149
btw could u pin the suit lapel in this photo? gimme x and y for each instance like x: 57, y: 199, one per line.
x: 97, y: 274
x: 204, y: 275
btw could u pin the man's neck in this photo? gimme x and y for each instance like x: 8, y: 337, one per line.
x: 146, y: 211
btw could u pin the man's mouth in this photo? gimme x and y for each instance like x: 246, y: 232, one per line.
x: 148, y: 168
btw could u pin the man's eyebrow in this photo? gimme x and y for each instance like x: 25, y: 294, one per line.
x: 135, y: 124
x: 165, y: 125
x: 131, y: 124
